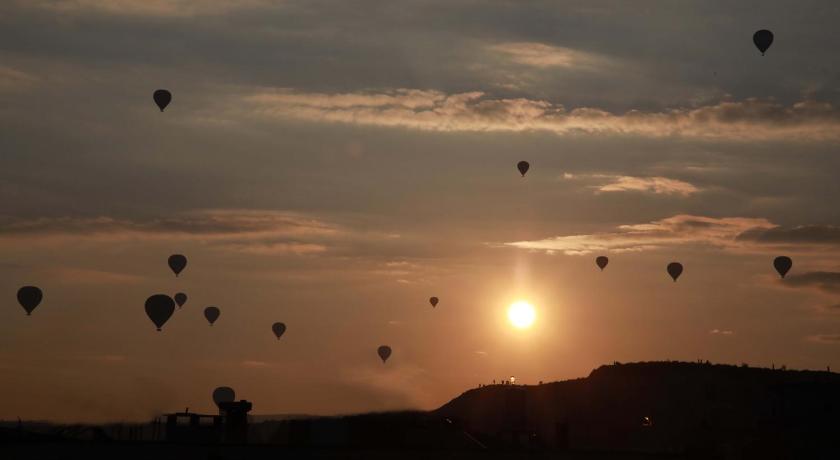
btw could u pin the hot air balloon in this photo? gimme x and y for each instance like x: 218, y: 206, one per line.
x: 29, y: 297
x: 601, y: 262
x: 763, y: 39
x: 783, y: 265
x: 675, y: 269
x: 384, y: 352
x: 279, y: 329
x: 162, y: 98
x: 212, y: 314
x: 180, y: 299
x: 223, y: 395
x: 159, y: 308
x: 523, y: 167
x: 177, y: 262
x: 434, y: 301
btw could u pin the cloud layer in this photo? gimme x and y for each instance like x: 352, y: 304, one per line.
x: 477, y: 111
x: 658, y: 185
x: 676, y: 230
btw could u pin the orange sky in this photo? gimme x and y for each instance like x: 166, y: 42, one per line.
x: 332, y: 167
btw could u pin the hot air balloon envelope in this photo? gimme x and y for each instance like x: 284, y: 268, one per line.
x: 162, y: 98
x: 29, y: 297
x: 602, y: 261
x: 212, y: 314
x: 384, y: 352
x: 177, y: 262
x: 180, y: 299
x: 223, y: 395
x: 763, y: 39
x: 523, y: 167
x: 434, y: 301
x: 279, y: 329
x: 159, y: 308
x: 675, y: 269
x: 782, y: 265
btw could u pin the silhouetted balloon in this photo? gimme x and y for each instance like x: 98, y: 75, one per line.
x: 177, y: 262
x: 675, y: 269
x: 279, y: 329
x: 180, y: 299
x: 434, y: 301
x: 159, y: 308
x: 601, y: 262
x: 782, y: 264
x: 523, y: 167
x: 29, y: 297
x: 763, y: 39
x: 223, y: 394
x: 384, y: 352
x: 212, y: 314
x: 162, y: 98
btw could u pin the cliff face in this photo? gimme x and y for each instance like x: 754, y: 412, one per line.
x: 661, y: 407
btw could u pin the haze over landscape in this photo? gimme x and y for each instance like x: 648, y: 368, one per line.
x: 333, y: 165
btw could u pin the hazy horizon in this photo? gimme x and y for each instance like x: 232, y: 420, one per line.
x: 333, y: 165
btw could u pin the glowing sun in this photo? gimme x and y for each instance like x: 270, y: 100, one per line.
x: 521, y: 314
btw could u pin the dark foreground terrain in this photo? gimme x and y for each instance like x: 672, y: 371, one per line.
x: 641, y: 410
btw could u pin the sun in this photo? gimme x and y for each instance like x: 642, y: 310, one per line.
x: 521, y: 314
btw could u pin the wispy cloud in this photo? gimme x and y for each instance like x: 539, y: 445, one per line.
x: 394, y: 381
x: 76, y: 276
x: 827, y: 339
x: 247, y: 231
x: 721, y: 332
x: 803, y: 234
x: 102, y: 358
x: 223, y: 223
x: 658, y: 185
x: 677, y: 230
x: 746, y: 120
x: 162, y: 8
x: 828, y: 282
x: 14, y: 80
x: 543, y: 56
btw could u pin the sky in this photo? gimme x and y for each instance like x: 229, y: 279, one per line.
x: 332, y: 165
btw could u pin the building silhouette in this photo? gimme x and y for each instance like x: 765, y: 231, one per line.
x: 229, y: 426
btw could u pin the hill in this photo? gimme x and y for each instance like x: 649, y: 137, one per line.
x: 667, y: 407
x: 638, y: 410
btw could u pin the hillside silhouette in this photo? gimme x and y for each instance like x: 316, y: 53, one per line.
x: 638, y: 410
x: 676, y: 407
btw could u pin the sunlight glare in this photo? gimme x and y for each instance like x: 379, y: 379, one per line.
x: 521, y: 314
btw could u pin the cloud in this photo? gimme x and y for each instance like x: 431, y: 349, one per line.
x: 243, y: 231
x: 658, y: 185
x: 821, y: 280
x: 747, y: 120
x: 544, y: 56
x: 222, y: 223
x: 676, y: 230
x: 14, y: 80
x: 828, y: 339
x: 102, y: 358
x: 804, y: 234
x: 260, y: 232
x: 721, y: 332
x: 400, y: 382
x: 161, y: 8
x: 76, y: 276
